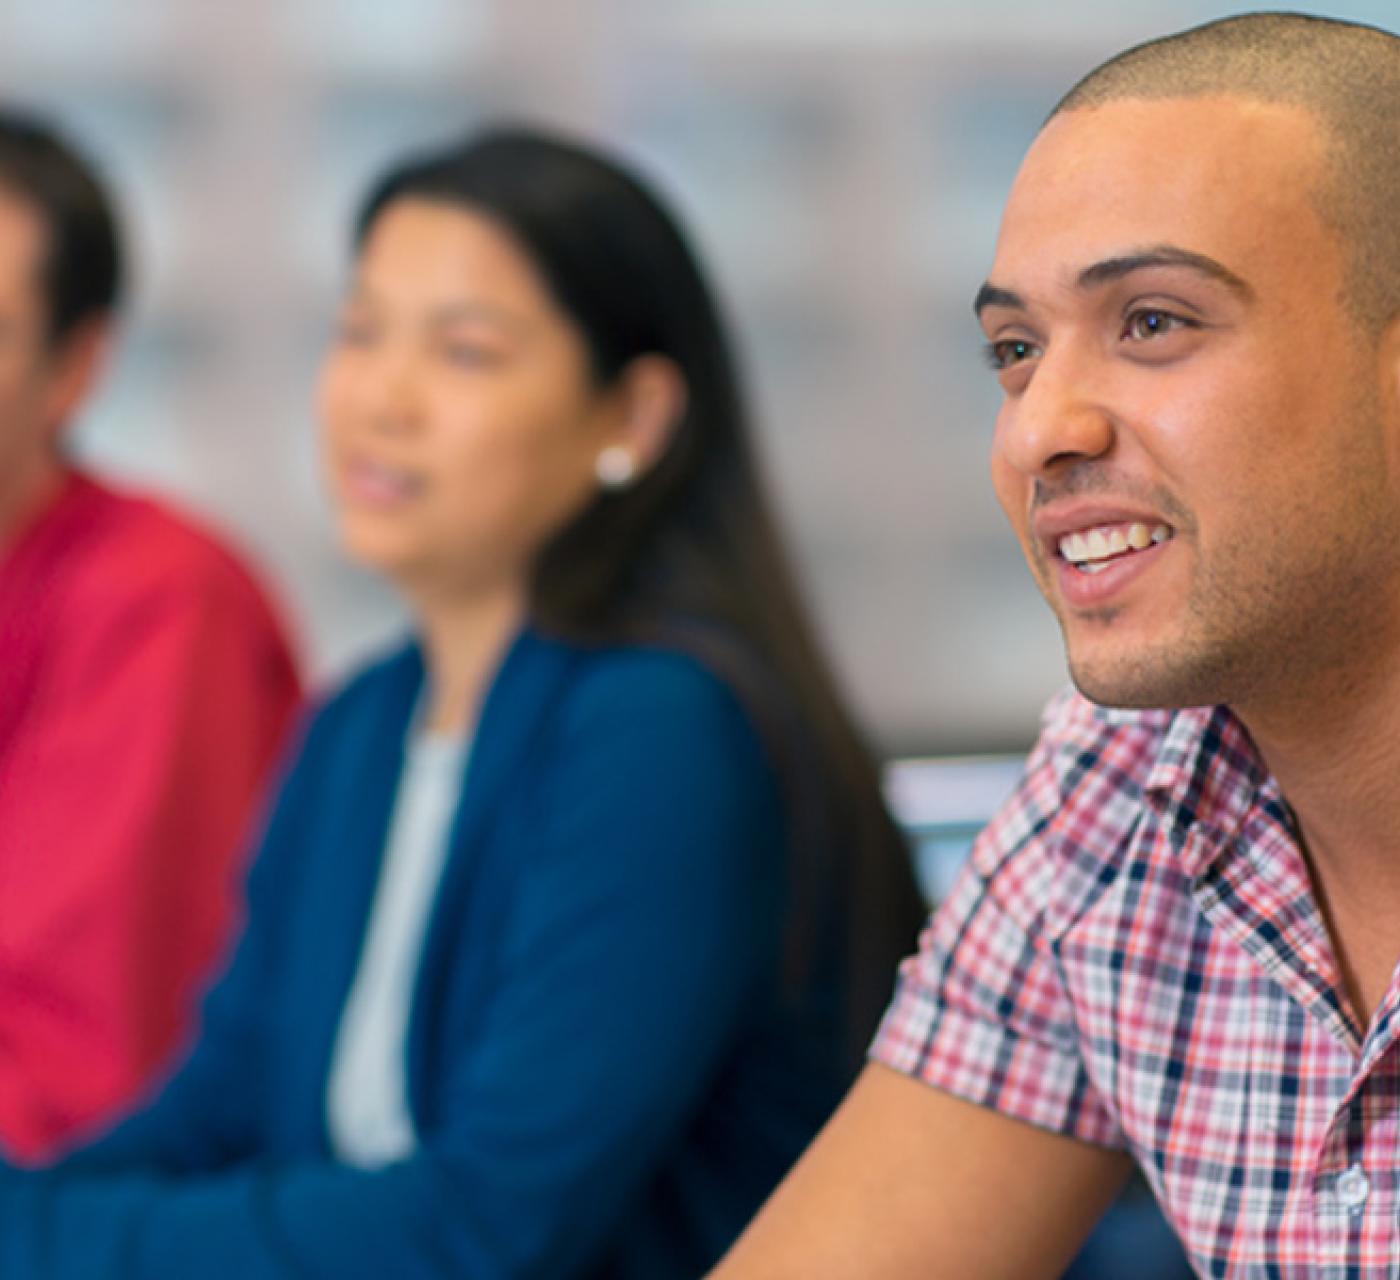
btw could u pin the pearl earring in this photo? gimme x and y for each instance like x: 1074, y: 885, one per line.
x: 616, y: 467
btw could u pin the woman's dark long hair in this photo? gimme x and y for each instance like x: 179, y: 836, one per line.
x: 689, y: 553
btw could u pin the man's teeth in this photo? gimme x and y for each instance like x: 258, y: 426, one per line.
x: 1091, y: 550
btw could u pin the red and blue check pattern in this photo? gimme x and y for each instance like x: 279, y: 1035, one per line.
x: 1134, y: 957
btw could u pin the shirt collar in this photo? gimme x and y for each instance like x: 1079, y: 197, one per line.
x: 1207, y: 777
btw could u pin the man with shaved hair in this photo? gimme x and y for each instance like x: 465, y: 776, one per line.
x: 1177, y: 943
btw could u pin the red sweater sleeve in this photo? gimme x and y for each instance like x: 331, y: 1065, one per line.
x: 124, y: 808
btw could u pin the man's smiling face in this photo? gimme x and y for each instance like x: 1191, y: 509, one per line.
x: 1196, y: 444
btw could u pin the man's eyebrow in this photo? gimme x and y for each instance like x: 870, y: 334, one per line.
x: 1110, y: 269
x: 991, y: 295
x: 1165, y: 255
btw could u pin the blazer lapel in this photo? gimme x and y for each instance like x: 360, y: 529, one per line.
x: 367, y: 766
x: 525, y: 690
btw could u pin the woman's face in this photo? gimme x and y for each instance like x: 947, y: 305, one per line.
x: 461, y: 420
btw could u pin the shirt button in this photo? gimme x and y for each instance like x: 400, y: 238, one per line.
x: 1353, y: 1186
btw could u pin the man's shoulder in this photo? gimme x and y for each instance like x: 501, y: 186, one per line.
x: 140, y: 547
x: 155, y: 531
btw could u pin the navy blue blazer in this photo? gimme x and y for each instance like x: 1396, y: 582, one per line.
x: 604, y: 1070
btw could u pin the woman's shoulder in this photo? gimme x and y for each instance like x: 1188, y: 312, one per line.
x: 386, y: 684
x: 641, y: 669
x: 647, y: 748
x: 594, y: 716
x: 636, y: 687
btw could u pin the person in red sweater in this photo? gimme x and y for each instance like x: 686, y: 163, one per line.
x: 145, y: 689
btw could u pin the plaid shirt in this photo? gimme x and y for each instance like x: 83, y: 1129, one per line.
x: 1134, y: 957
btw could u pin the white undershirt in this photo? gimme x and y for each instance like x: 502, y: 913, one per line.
x: 367, y: 1114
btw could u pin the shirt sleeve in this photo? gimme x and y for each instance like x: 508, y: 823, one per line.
x: 639, y: 935
x: 981, y: 1009
x: 123, y: 809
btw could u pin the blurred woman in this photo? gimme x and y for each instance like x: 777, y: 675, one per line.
x: 572, y: 916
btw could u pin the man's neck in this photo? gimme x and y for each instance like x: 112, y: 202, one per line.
x: 1336, y: 756
x: 30, y: 493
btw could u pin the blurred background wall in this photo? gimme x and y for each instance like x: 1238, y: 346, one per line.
x: 841, y: 165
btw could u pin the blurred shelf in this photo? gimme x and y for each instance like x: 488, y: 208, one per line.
x: 409, y: 42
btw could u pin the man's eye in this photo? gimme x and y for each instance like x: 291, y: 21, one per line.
x: 1151, y: 322
x: 1006, y: 352
x: 354, y: 333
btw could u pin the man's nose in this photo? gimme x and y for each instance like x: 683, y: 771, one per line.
x: 1059, y: 418
x: 392, y: 391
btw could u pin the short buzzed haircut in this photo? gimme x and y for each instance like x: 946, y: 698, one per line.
x: 81, y: 273
x: 1347, y: 75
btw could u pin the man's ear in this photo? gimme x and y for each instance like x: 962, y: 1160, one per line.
x: 76, y: 361
x: 651, y: 395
